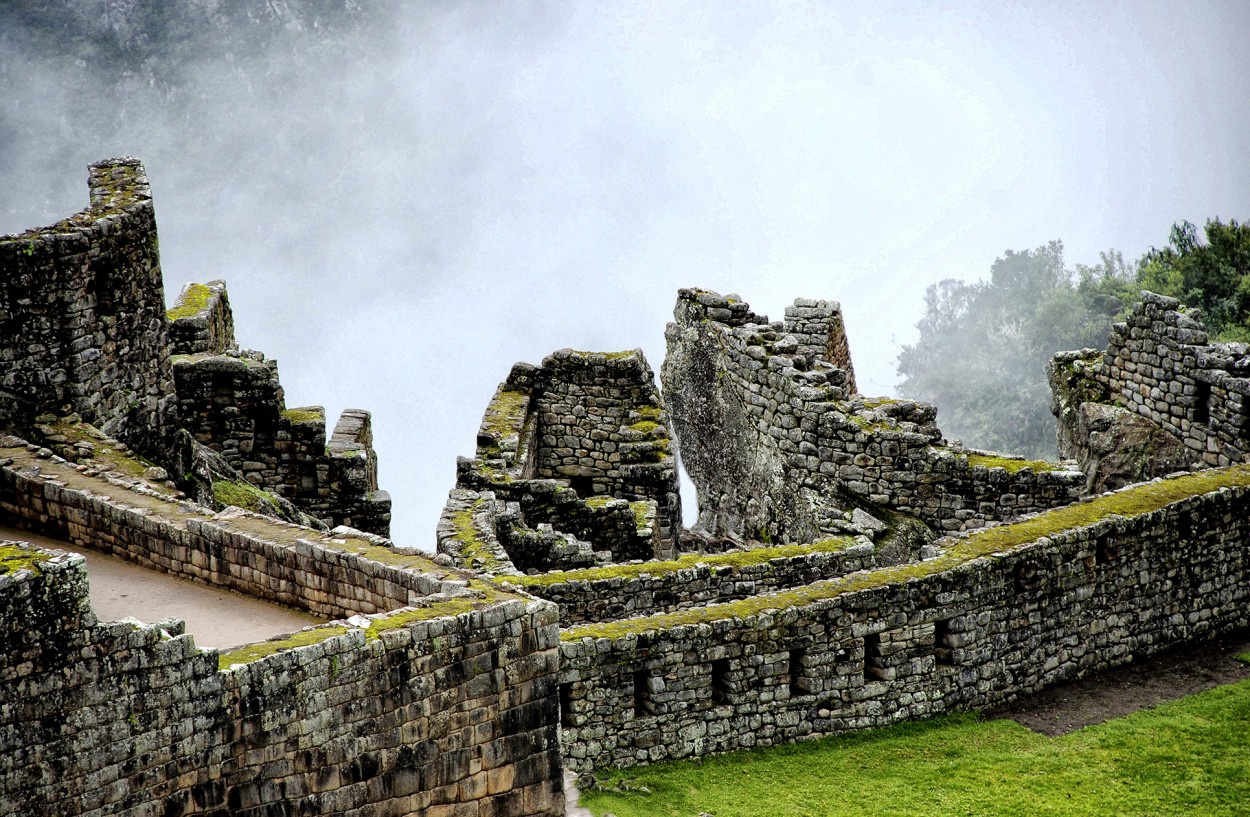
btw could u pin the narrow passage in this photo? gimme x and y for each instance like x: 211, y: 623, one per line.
x: 215, y: 617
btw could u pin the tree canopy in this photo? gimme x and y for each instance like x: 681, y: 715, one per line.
x: 983, y: 346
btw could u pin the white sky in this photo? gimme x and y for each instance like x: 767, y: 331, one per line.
x: 488, y: 183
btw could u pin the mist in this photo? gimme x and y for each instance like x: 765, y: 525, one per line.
x: 405, y: 198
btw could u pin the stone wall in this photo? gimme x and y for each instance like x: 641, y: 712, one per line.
x: 201, y: 321
x: 441, y: 701
x: 83, y: 305
x: 990, y: 619
x: 232, y: 402
x: 599, y: 595
x: 1159, y: 365
x: 578, y: 455
x: 780, y: 449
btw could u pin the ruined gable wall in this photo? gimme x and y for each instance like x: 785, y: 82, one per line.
x: 83, y: 303
x: 577, y: 454
x: 233, y: 403
x: 770, y: 437
x: 864, y: 652
x: 1159, y: 364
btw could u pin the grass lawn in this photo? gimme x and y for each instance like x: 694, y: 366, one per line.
x: 1187, y: 757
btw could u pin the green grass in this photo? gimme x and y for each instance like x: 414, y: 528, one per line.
x: 1187, y: 757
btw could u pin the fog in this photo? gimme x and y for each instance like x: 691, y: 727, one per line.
x: 407, y: 200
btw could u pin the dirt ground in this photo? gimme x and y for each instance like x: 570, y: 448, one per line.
x: 1141, y: 684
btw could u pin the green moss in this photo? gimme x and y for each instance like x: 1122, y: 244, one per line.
x: 641, y: 509
x: 1132, y: 502
x: 737, y: 559
x: 1010, y: 464
x: 645, y: 426
x: 254, y: 652
x: 1245, y: 656
x: 20, y: 557
x: 505, y: 415
x: 380, y: 553
x: 454, y: 607
x: 192, y: 301
x: 648, y: 412
x: 599, y: 501
x: 244, y: 495
x: 299, y: 416
x: 471, y: 545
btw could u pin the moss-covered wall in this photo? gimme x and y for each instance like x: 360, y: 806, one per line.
x: 1002, y: 613
x: 693, y: 580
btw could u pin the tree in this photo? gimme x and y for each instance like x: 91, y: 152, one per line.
x: 983, y: 346
x: 1213, y: 276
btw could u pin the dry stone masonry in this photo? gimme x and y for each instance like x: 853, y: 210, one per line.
x: 575, y: 458
x: 82, y: 312
x: 781, y: 449
x: 851, y: 568
x: 1160, y: 398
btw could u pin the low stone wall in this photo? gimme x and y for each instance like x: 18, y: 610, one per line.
x: 441, y: 701
x: 624, y: 591
x: 333, y: 574
x: 450, y: 716
x: 1001, y: 613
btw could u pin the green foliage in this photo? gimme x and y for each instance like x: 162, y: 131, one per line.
x: 1186, y: 757
x: 1213, y: 276
x: 299, y: 416
x: 983, y: 346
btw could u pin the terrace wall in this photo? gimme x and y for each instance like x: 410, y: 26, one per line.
x: 865, y: 652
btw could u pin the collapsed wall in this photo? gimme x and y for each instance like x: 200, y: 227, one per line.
x: 82, y: 305
x: 433, y: 694
x: 1159, y: 398
x: 232, y: 402
x: 781, y: 449
x: 574, y: 467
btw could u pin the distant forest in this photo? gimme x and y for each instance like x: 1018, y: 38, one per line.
x: 983, y: 345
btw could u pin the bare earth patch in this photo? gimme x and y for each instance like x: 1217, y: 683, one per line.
x: 1141, y: 684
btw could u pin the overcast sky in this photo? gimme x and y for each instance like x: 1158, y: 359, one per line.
x: 478, y: 184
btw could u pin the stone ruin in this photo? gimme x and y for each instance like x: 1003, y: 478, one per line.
x: 89, y: 339
x: 850, y: 567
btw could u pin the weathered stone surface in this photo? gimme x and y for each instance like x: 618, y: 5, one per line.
x: 1159, y: 365
x: 1118, y: 448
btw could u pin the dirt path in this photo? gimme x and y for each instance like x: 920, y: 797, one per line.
x: 1142, y: 684
x: 215, y: 617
